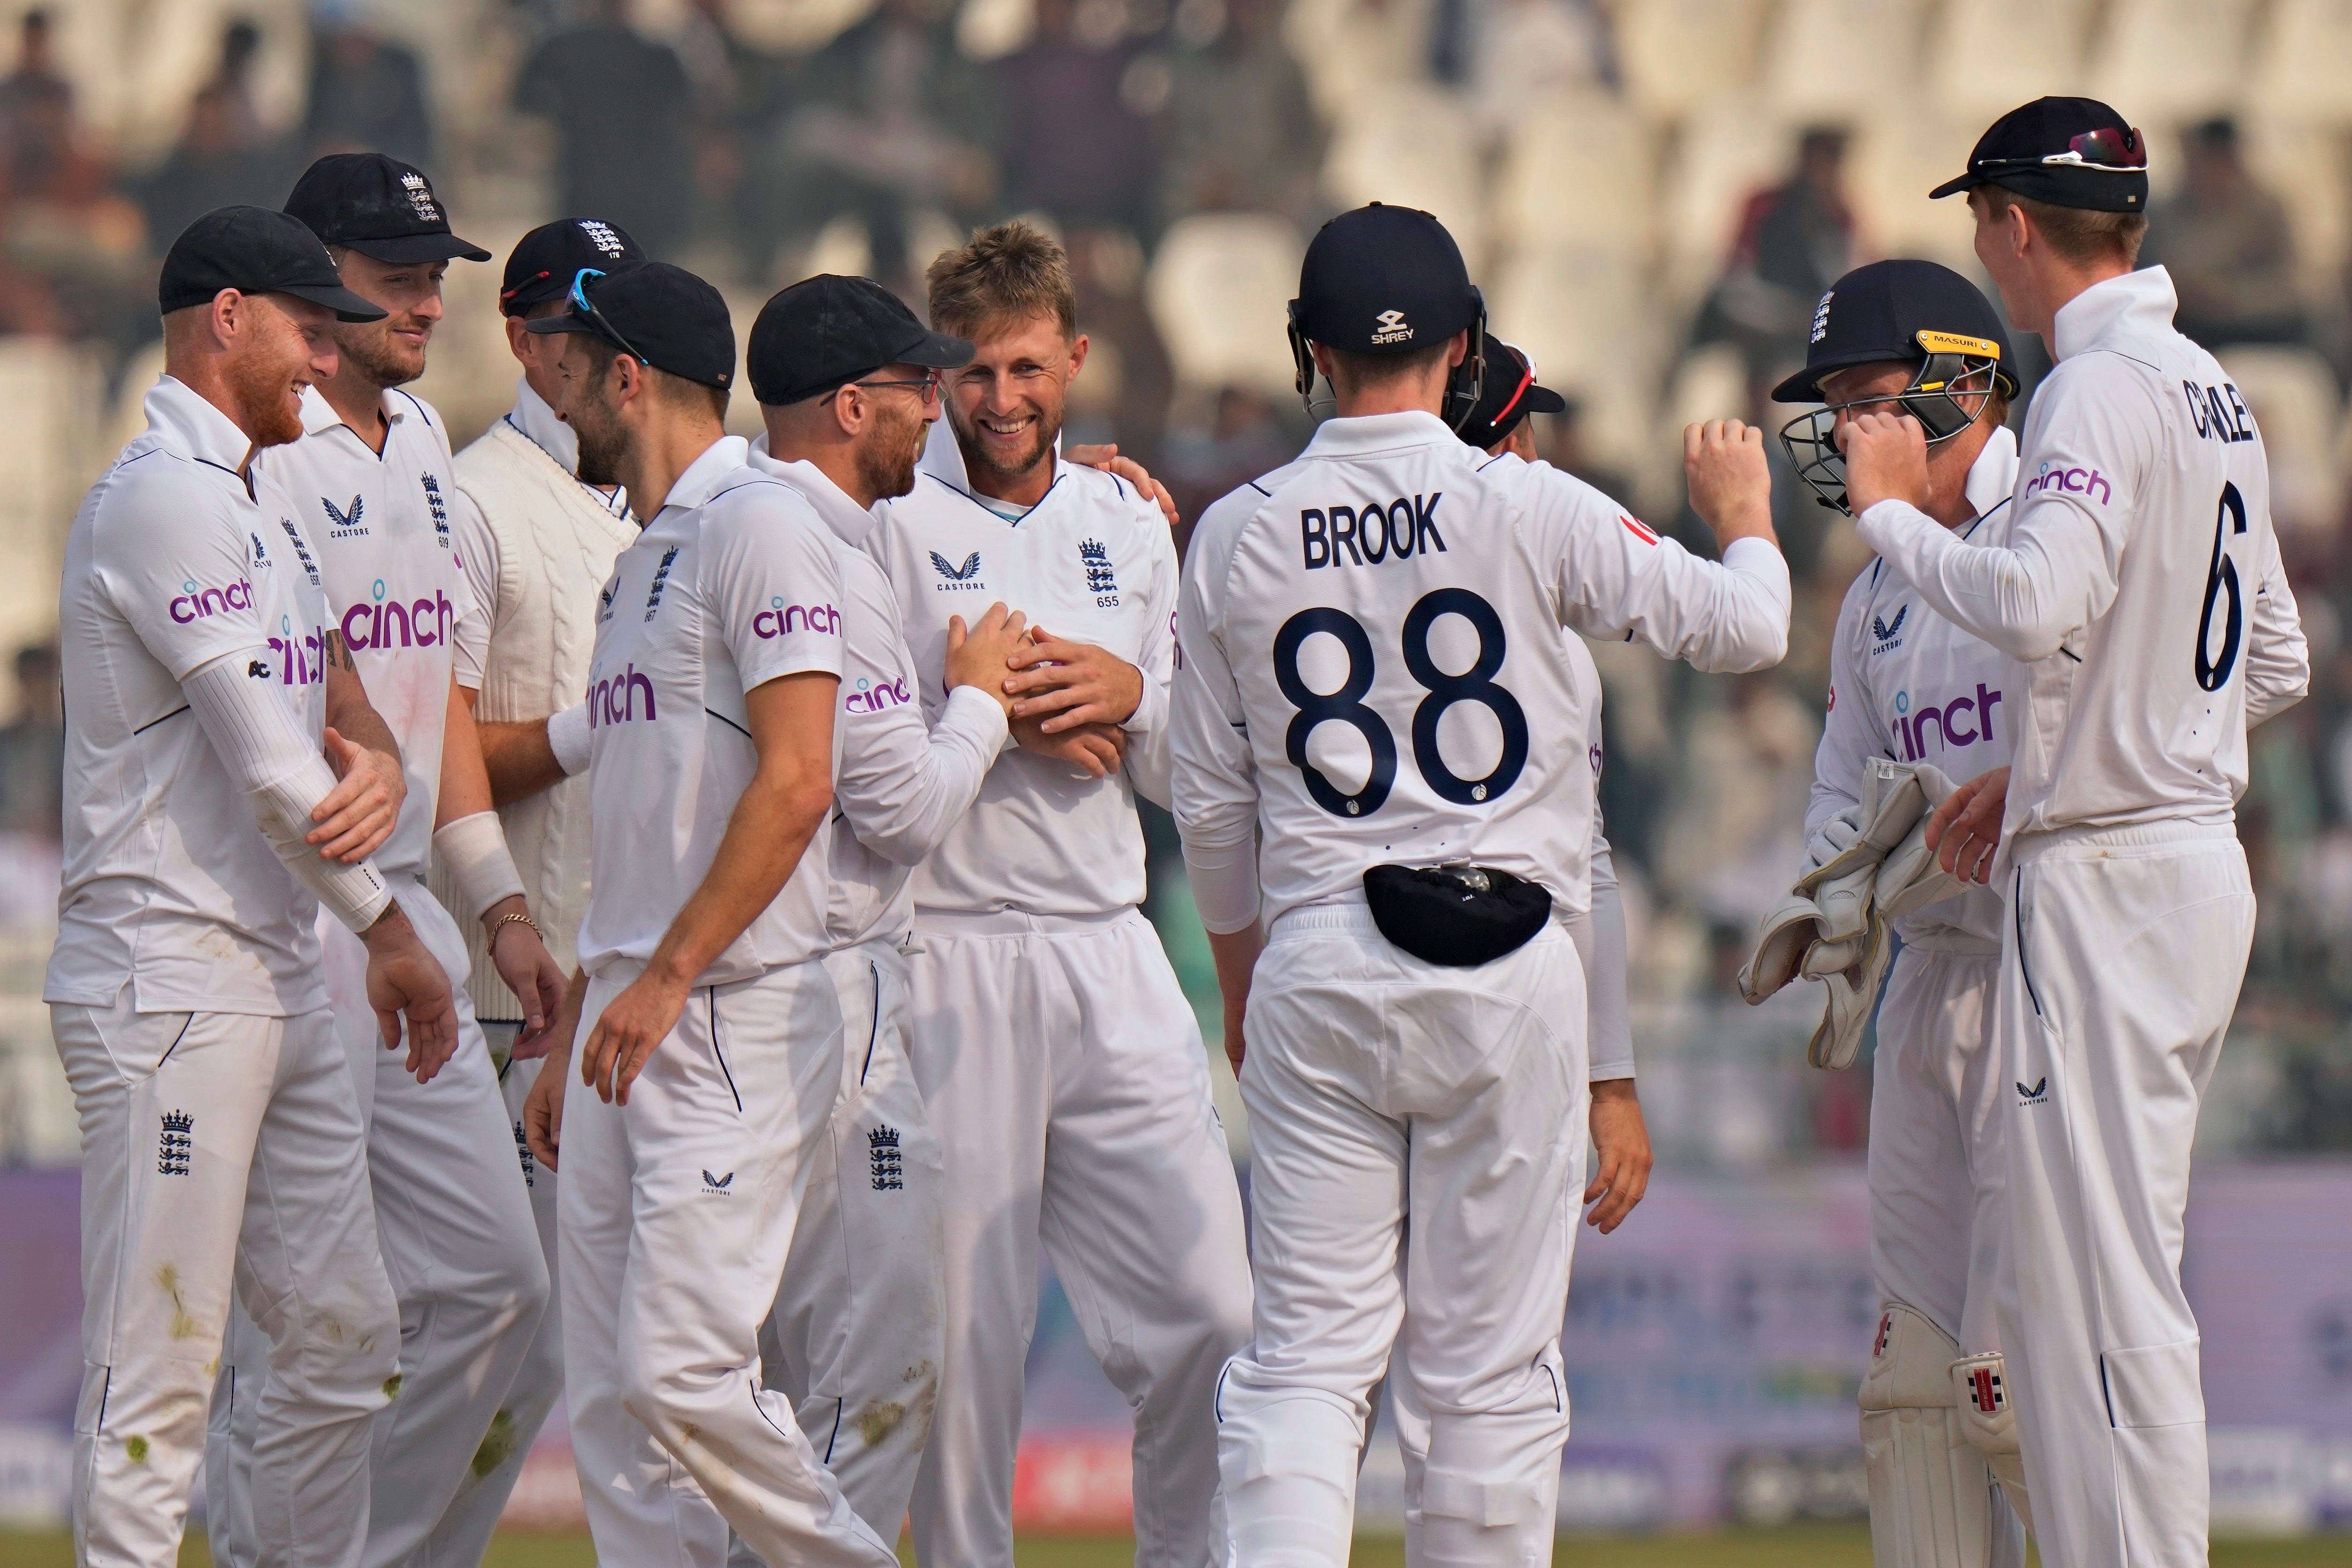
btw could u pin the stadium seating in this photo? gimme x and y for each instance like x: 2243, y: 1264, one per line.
x: 1836, y: 59
x: 2159, y: 61
x: 2293, y: 395
x: 2302, y: 59
x: 1973, y: 69
x: 1410, y: 145
x: 1681, y: 55
x: 1581, y: 173
x: 1218, y: 292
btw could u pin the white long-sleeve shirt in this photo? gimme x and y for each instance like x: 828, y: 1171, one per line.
x: 1372, y: 669
x: 2139, y: 588
x: 903, y: 784
x: 1091, y: 562
x: 1906, y: 683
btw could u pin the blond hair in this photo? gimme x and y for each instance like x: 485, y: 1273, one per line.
x: 1009, y: 272
x: 2078, y: 233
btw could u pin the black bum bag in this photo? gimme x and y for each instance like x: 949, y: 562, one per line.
x: 1459, y: 915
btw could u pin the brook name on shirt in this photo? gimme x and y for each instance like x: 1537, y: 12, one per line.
x: 1911, y: 726
x: 1369, y: 535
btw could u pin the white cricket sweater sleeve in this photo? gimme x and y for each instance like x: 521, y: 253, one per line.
x: 477, y: 551
x: 2278, y: 660
x: 1618, y: 581
x: 1147, y: 754
x: 1600, y: 938
x: 2095, y: 421
x: 1214, y: 780
x: 1847, y: 737
x: 903, y: 786
x: 283, y: 774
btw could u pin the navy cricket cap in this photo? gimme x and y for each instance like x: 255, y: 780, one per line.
x: 378, y: 206
x: 1384, y: 280
x: 2067, y: 151
x: 658, y: 315
x: 253, y: 251
x: 827, y: 330
x: 545, y: 261
x: 1507, y: 394
x: 1902, y: 311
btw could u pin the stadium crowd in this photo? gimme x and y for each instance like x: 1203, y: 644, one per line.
x: 1651, y: 192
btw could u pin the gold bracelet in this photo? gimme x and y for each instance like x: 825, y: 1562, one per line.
x: 506, y: 920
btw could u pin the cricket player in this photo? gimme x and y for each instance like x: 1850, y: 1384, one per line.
x: 372, y: 476
x: 209, y: 695
x: 1059, y: 1061
x: 2140, y: 600
x: 712, y: 1059
x: 849, y: 384
x: 534, y: 542
x: 1375, y: 680
x: 1916, y: 340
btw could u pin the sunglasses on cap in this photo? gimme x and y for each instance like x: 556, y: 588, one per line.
x: 587, y: 311
x: 2117, y: 151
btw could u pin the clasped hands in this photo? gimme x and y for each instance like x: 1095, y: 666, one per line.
x: 1064, y: 699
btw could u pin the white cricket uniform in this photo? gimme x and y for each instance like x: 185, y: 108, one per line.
x: 1399, y: 597
x: 535, y: 544
x: 453, y: 1214
x: 1908, y: 684
x: 858, y: 1331
x: 677, y: 1208
x: 2141, y: 598
x: 219, y: 1142
x: 1056, y: 1053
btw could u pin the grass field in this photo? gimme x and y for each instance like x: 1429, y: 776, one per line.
x: 1816, y: 1546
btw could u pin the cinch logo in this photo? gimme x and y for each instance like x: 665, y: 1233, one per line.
x: 420, y: 622
x: 1911, y: 729
x: 1406, y: 528
x: 195, y: 603
x: 876, y: 696
x: 615, y: 701
x: 781, y: 619
x: 301, y: 655
x: 2066, y: 479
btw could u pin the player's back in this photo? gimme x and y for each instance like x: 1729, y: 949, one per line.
x: 2141, y: 714
x: 1388, y: 608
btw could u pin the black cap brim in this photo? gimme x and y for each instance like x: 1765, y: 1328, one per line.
x: 1543, y: 400
x: 569, y: 321
x: 937, y: 351
x: 404, y: 250
x: 1968, y: 181
x: 346, y: 305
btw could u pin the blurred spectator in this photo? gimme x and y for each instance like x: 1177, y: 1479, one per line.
x: 1075, y: 140
x: 224, y: 156
x: 69, y: 242
x: 898, y: 122
x: 1560, y: 437
x: 624, y: 121
x: 1127, y: 365
x: 366, y: 95
x: 2225, y: 240
x: 32, y: 750
x: 1794, y: 240
x: 1529, y: 52
x: 36, y: 84
x: 737, y: 92
x: 1244, y: 438
x: 1739, y: 821
x: 1242, y: 135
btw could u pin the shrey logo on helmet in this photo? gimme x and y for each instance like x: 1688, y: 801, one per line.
x: 1390, y: 328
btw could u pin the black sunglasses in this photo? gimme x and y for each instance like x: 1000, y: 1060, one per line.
x: 587, y: 311
x: 2117, y: 151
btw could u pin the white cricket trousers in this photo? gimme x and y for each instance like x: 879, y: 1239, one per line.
x: 2120, y: 966
x: 1418, y: 1139
x: 855, y: 1338
x: 675, y: 1215
x: 455, y: 1227
x: 1065, y: 1079
x: 221, y: 1150
x: 1938, y: 1102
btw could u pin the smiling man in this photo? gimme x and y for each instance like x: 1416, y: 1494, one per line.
x: 1056, y: 1052
x: 372, y: 479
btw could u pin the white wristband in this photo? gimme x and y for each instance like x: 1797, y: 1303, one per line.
x: 474, y: 851
x: 567, y: 736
